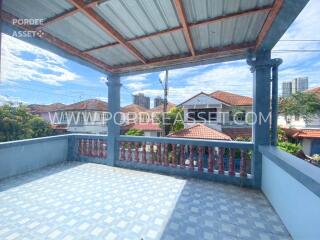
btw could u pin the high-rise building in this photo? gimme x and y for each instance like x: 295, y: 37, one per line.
x: 294, y: 86
x: 141, y: 100
x: 158, y: 101
x: 286, y: 89
x: 299, y: 84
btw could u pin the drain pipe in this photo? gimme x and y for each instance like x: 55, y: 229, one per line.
x: 274, y: 104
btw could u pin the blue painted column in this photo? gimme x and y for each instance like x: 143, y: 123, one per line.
x: 261, y: 68
x: 113, y: 126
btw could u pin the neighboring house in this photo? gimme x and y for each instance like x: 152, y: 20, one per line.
x: 134, y: 113
x: 308, y: 138
x: 44, y: 110
x: 217, y: 111
x: 149, y: 129
x: 200, y: 131
x: 306, y: 133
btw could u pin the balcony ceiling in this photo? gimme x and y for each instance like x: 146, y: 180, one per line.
x: 119, y: 36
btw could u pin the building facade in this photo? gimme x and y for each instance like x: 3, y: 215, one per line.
x: 286, y: 89
x: 158, y: 101
x: 141, y: 100
x: 296, y: 85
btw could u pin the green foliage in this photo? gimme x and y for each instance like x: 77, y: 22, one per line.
x: 302, y: 104
x: 174, y: 120
x: 17, y: 123
x: 134, y: 132
x: 288, y: 147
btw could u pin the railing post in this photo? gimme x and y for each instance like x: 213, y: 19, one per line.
x: 261, y: 68
x: 113, y: 124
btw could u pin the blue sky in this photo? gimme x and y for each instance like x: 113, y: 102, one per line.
x: 33, y: 75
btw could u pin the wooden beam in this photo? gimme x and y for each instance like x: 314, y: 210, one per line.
x: 180, y: 59
x: 65, y: 14
x: 107, y: 28
x: 7, y: 17
x: 192, y: 25
x: 183, y: 20
x: 268, y: 23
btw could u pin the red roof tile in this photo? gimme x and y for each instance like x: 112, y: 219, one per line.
x: 90, y: 104
x: 302, y: 133
x: 38, y: 108
x: 231, y: 98
x: 235, y: 133
x: 160, y: 107
x: 200, y: 131
x: 133, y: 108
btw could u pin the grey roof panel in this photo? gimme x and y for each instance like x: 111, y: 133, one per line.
x: 80, y: 32
x: 135, y: 18
x: 40, y: 9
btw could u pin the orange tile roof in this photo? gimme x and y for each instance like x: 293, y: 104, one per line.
x: 90, y: 104
x: 160, y: 107
x: 235, y: 133
x: 302, y: 133
x: 231, y: 98
x: 133, y: 108
x: 314, y: 90
x: 41, y: 108
x: 200, y: 131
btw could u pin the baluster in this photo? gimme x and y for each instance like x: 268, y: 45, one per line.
x: 98, y: 148
x: 200, y: 159
x: 152, y: 153
x: 210, y: 160
x: 81, y: 147
x: 104, y: 149
x: 144, y: 160
x: 129, y: 152
x: 173, y: 156
x: 191, y: 165
x: 87, y: 148
x: 243, y: 170
x: 182, y: 156
x: 221, y: 161
x: 122, y: 152
x: 231, y: 162
x: 158, y: 153
x: 166, y: 163
x: 136, y: 154
x: 92, y: 154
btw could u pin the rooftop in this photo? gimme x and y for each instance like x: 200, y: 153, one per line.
x: 303, y: 133
x: 231, y: 98
x: 200, y: 131
x: 74, y: 200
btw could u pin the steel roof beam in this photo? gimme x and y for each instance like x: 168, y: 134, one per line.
x: 107, y: 28
x: 183, y: 20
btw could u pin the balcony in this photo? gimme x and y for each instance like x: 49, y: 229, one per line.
x: 62, y: 188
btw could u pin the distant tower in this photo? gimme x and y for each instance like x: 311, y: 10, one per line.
x: 141, y: 100
x: 300, y: 84
x: 286, y: 89
x: 158, y: 101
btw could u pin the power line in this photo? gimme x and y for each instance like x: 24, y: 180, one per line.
x: 299, y: 40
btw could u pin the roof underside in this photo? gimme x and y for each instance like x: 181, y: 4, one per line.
x: 121, y: 36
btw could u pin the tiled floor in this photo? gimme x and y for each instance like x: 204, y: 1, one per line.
x: 90, y: 201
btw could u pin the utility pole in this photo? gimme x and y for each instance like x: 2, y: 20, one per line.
x: 165, y: 102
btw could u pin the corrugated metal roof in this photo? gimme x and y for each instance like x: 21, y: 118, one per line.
x: 204, y: 9
x: 40, y: 9
x: 138, y: 17
x: 80, y: 32
x: 162, y: 45
x: 115, y: 55
x: 243, y: 29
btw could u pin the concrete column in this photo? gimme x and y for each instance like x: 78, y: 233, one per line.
x: 261, y: 69
x: 113, y: 126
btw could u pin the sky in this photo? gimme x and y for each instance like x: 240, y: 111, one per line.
x: 32, y: 75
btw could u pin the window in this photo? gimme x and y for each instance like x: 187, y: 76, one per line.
x: 237, y: 116
x: 202, y: 114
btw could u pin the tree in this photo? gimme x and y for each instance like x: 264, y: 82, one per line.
x: 174, y: 120
x: 134, y: 132
x: 302, y: 104
x: 17, y: 123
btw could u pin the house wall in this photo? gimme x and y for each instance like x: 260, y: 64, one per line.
x: 151, y: 133
x: 292, y: 187
x: 306, y: 144
x: 298, y: 123
x: 18, y: 157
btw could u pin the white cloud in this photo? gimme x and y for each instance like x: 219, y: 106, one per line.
x: 7, y: 99
x: 24, y: 62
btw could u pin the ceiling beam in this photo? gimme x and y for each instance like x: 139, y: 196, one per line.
x: 192, y: 25
x: 183, y: 20
x: 268, y: 23
x: 180, y: 59
x: 7, y: 17
x: 65, y: 14
x: 107, y: 28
